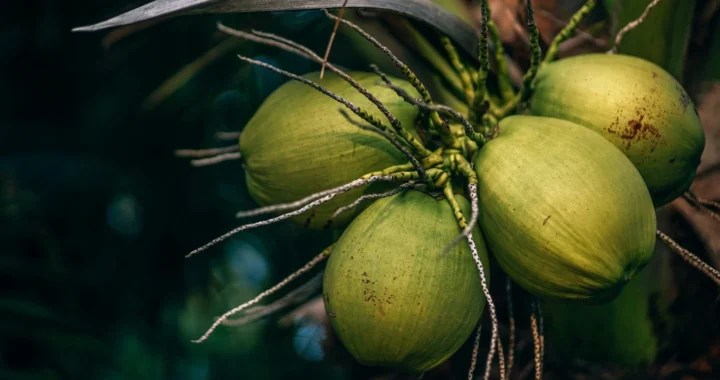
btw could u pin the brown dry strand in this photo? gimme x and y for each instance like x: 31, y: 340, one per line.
x: 475, y: 351
x: 703, y: 204
x: 541, y: 330
x: 690, y: 258
x: 124, y: 32
x: 306, y: 268
x: 295, y: 297
x: 511, y: 325
x: 632, y: 25
x: 332, y: 38
x: 537, y: 339
x: 189, y: 72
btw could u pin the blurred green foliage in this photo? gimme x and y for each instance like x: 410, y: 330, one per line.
x: 663, y: 37
x: 96, y: 213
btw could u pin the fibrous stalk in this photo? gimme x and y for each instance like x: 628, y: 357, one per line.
x: 412, y: 78
x: 313, y: 197
x: 309, y: 203
x: 465, y: 77
x: 200, y: 162
x: 690, y: 258
x: 391, y: 138
x: 529, y: 77
x: 365, y: 197
x: 536, y: 54
x: 332, y: 38
x: 202, y: 153
x: 503, y: 73
x: 291, y: 46
x: 511, y: 325
x: 474, y: 212
x: 632, y: 25
x: 537, y: 339
x: 468, y: 128
x: 705, y: 202
x: 294, y: 297
x: 703, y: 205
x: 475, y: 352
x: 307, y: 267
x: 477, y: 108
x: 568, y: 30
x: 495, y: 343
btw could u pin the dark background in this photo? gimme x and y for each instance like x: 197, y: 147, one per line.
x: 96, y: 213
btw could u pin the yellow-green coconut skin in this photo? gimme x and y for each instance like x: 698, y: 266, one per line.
x: 565, y: 213
x: 634, y: 104
x: 393, y: 299
x: 298, y: 143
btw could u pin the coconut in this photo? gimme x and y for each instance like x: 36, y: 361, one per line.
x: 634, y: 104
x: 393, y: 299
x: 298, y: 143
x: 565, y: 213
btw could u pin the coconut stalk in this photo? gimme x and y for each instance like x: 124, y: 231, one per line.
x: 619, y: 332
x: 406, y: 42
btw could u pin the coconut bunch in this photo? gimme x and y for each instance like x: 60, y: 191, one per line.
x: 556, y: 180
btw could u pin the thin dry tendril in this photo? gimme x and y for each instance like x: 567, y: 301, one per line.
x: 690, y: 258
x: 632, y: 25
x: 495, y: 343
x: 307, y: 267
x: 294, y: 297
x: 511, y: 317
x: 330, y: 194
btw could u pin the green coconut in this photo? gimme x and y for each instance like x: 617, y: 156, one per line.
x: 619, y: 332
x: 565, y: 213
x: 393, y: 299
x: 637, y: 106
x: 298, y: 143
